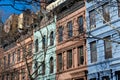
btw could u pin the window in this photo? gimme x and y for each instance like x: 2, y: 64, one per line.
x: 80, y: 55
x: 51, y: 63
x: 92, y: 19
x: 60, y: 63
x: 44, y: 42
x: 106, y: 14
x: 30, y: 49
x: 43, y: 68
x: 36, y: 45
x: 118, y: 2
x: 80, y: 23
x: 60, y: 34
x: 93, y: 79
x: 8, y: 59
x: 105, y: 78
x: 69, y: 58
x: 13, y: 57
x: 108, y: 48
x: 51, y: 38
x: 93, y: 51
x: 4, y: 61
x: 23, y: 74
x: 70, y: 29
x: 18, y: 55
x: 117, y: 73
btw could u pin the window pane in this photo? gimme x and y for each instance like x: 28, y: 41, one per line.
x: 106, y: 13
x: 93, y: 52
x: 80, y: 22
x: 70, y: 29
x: 108, y: 48
x: 36, y: 45
x: 60, y: 34
x: 92, y: 19
x: 106, y: 78
x: 118, y: 2
x: 51, y: 65
x: 60, y: 62
x: 51, y: 38
x: 69, y: 59
x: 80, y: 55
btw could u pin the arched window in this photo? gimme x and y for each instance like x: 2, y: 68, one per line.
x: 51, y: 38
x: 36, y: 45
x: 51, y: 63
x: 43, y: 41
x: 43, y: 68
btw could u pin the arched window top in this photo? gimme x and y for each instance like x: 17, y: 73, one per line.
x: 51, y: 62
x: 51, y: 38
x: 36, y: 45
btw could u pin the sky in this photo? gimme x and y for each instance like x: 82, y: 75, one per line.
x: 6, y: 11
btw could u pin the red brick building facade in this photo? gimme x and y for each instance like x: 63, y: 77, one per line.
x: 71, y: 41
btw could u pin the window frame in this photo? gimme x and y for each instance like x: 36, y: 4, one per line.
x: 70, y: 29
x: 51, y: 64
x: 106, y: 12
x: 92, y: 19
x: 69, y: 59
x: 60, y: 62
x: 60, y: 34
x: 80, y: 50
x: 107, y: 49
x: 51, y: 38
x: 93, y: 53
x: 81, y: 24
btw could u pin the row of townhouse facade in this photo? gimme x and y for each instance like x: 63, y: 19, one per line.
x: 74, y: 40
x: 16, y: 44
x: 12, y: 61
x: 86, y: 41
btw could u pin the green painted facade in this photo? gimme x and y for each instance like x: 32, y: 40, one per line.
x: 50, y: 53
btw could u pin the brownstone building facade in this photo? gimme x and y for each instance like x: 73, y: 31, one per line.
x: 12, y: 60
x: 71, y: 41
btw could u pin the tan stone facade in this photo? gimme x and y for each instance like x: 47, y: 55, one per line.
x: 13, y: 66
x: 71, y: 51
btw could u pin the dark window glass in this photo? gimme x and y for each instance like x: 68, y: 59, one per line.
x: 60, y: 34
x: 13, y: 57
x: 51, y: 65
x: 4, y: 61
x: 118, y: 2
x: 23, y: 74
x: 43, y: 68
x: 18, y: 55
x: 105, y: 78
x: 36, y: 45
x: 51, y: 38
x: 70, y: 29
x: 69, y: 58
x: 93, y: 49
x: 108, y: 48
x: 9, y: 59
x: 80, y: 22
x: 93, y: 79
x: 92, y: 19
x: 80, y: 55
x: 60, y: 62
x: 44, y: 42
x: 117, y: 75
x: 30, y: 49
x: 106, y: 13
